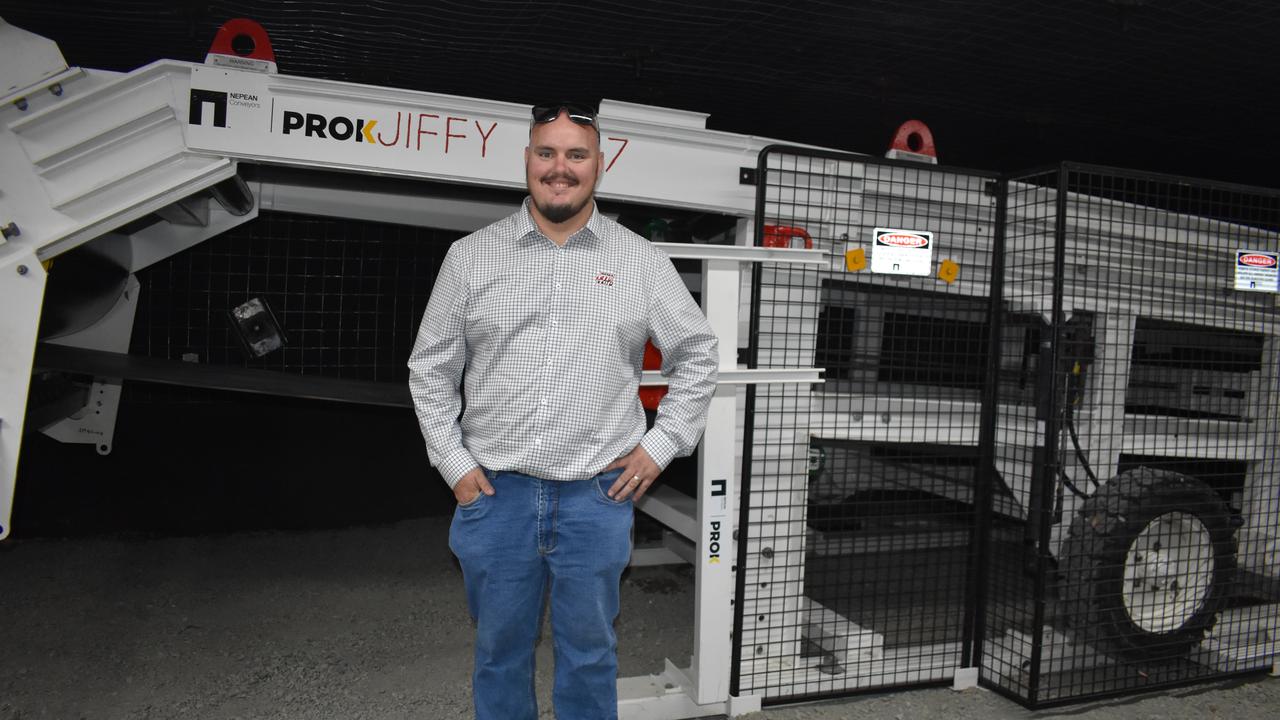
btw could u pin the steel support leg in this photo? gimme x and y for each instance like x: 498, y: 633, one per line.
x: 22, y: 283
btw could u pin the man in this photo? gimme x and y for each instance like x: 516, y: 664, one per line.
x: 546, y: 314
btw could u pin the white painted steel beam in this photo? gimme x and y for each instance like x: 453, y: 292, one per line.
x: 673, y: 550
x: 109, y: 149
x: 740, y: 253
x: 650, y: 556
x: 22, y: 283
x: 359, y: 203
x: 310, y: 122
x: 673, y: 509
x: 746, y: 376
x: 717, y: 487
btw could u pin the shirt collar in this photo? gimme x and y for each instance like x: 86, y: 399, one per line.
x: 593, y: 231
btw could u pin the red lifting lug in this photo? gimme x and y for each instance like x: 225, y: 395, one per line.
x: 913, y: 141
x: 785, y: 236
x: 243, y: 44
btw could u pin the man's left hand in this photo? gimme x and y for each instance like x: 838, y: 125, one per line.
x: 638, y: 473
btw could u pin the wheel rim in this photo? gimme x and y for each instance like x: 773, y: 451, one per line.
x: 1167, y: 572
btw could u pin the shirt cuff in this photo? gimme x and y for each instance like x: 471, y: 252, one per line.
x: 659, y: 447
x: 456, y: 464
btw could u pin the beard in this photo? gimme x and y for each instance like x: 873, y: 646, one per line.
x: 560, y: 212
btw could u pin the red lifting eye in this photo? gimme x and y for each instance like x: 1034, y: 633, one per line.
x: 242, y: 37
x: 914, y: 136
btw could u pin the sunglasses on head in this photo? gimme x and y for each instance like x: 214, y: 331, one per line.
x: 578, y: 112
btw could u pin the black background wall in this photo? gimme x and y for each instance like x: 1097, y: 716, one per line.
x: 1181, y: 86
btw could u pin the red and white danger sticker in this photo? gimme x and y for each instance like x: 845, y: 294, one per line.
x: 1261, y: 260
x: 1257, y: 270
x: 901, y: 252
x: 900, y: 238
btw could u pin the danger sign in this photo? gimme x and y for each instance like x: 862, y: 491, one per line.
x: 901, y: 252
x: 1257, y: 271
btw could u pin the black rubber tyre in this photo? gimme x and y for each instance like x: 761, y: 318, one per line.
x: 1147, y: 565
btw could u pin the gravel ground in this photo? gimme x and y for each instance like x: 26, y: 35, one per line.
x: 356, y: 623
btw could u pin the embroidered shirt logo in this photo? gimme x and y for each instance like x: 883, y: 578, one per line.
x: 604, y: 277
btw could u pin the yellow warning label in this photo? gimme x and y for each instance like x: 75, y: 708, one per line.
x: 855, y: 260
x: 948, y: 271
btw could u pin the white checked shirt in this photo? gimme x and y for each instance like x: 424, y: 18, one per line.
x: 551, y: 339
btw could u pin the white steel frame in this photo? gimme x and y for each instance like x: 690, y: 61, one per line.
x: 703, y: 687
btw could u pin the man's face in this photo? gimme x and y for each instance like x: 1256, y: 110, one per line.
x: 562, y: 166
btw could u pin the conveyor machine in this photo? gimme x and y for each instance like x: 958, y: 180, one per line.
x: 128, y: 169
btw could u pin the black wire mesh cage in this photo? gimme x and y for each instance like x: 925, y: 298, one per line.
x: 1140, y: 311
x: 348, y: 294
x: 1045, y: 442
x: 857, y: 565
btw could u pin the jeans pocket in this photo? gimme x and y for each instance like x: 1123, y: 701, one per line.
x: 489, y: 475
x: 603, y: 482
x: 472, y: 502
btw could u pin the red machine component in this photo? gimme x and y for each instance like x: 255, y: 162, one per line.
x: 914, y: 137
x: 244, y: 38
x: 781, y: 236
x: 651, y: 396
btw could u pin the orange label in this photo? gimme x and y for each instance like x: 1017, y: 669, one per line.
x: 855, y: 260
x: 948, y: 271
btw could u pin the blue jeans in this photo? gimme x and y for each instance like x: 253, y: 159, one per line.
x: 530, y: 535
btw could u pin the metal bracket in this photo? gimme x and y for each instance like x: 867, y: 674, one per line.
x: 96, y: 422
